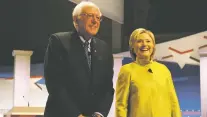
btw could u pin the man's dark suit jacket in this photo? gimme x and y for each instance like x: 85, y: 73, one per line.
x: 74, y: 89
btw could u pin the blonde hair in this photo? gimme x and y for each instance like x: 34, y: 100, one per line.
x: 78, y: 9
x: 136, y: 35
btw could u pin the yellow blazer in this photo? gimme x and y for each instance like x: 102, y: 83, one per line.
x: 141, y: 93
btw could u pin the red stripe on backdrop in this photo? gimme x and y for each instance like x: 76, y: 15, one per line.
x: 179, y: 52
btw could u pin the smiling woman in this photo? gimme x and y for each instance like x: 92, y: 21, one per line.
x: 142, y: 45
x: 144, y: 87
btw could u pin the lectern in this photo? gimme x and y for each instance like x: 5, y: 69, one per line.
x: 21, y: 77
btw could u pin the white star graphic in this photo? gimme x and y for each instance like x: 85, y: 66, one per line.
x: 183, y: 59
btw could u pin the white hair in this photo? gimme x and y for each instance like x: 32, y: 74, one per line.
x: 78, y: 9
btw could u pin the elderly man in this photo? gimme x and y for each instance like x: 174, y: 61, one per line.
x: 79, y: 68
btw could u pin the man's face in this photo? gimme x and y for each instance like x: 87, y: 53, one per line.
x: 89, y: 21
x: 144, y: 46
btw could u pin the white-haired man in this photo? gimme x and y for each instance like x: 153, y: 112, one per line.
x: 79, y: 68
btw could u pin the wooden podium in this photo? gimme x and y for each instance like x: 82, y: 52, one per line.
x: 25, y: 112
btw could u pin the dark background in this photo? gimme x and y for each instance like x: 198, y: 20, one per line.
x: 27, y: 24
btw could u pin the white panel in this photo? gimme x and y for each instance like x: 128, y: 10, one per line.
x: 21, y: 77
x: 203, y: 81
x: 117, y: 67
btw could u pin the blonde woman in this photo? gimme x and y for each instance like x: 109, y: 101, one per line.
x: 144, y: 87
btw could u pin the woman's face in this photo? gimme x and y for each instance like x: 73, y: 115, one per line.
x: 144, y: 46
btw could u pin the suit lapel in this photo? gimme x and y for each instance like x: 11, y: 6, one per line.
x: 94, y: 50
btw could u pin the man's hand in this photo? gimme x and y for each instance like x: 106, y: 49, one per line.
x: 81, y: 115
